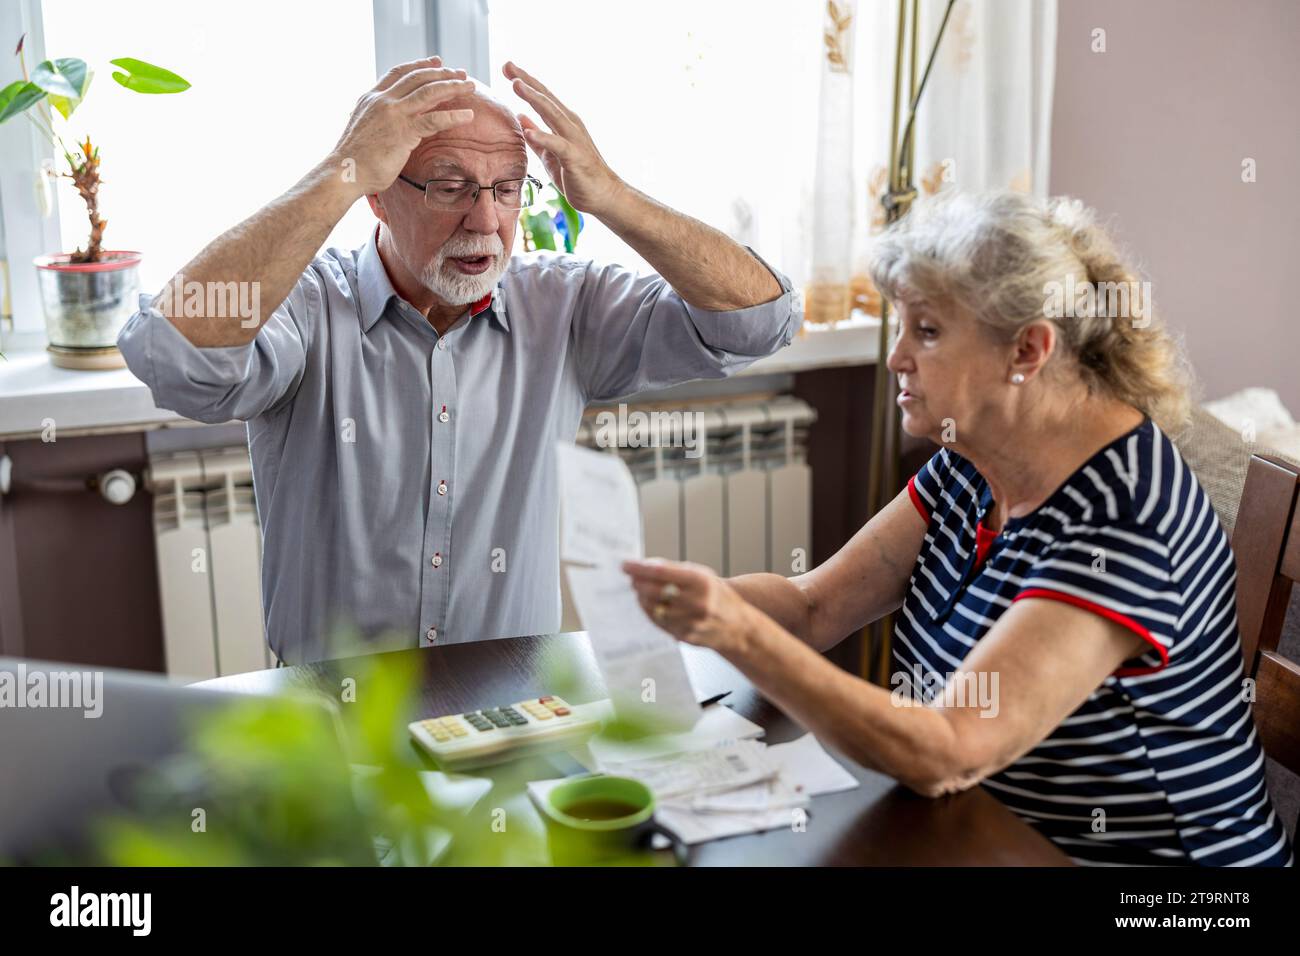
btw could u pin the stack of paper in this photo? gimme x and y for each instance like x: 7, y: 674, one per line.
x: 717, y: 724
x: 717, y: 780
x: 738, y: 786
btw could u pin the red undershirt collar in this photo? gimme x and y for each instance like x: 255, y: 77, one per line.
x: 984, y: 539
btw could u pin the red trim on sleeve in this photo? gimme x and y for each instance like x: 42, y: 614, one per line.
x: 1110, y: 615
x: 916, y: 499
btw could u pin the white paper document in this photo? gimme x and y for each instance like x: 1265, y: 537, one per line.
x: 718, y: 724
x: 601, y: 527
x: 809, y: 768
x: 600, y: 516
x: 686, y: 776
x: 692, y: 826
x: 804, y: 770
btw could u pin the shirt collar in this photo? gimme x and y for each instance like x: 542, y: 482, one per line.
x: 375, y: 290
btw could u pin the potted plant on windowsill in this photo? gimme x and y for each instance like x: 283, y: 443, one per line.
x: 88, y: 294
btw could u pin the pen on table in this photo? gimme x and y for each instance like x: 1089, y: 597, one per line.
x: 714, y: 699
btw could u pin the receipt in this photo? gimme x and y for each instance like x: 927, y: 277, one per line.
x: 600, y: 526
x: 600, y: 519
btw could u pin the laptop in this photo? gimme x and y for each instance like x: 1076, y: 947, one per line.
x: 75, y: 740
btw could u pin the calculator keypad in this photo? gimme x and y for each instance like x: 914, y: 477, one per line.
x: 478, y: 721
x: 446, y: 729
x: 494, y: 733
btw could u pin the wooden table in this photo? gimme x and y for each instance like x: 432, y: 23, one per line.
x: 880, y: 823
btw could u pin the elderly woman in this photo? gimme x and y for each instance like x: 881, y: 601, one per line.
x: 1066, y: 629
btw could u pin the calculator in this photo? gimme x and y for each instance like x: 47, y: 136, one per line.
x: 497, y: 734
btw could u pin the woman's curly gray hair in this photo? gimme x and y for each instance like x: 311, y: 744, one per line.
x: 1006, y: 256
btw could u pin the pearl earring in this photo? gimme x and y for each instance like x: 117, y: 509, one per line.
x: 1017, y: 379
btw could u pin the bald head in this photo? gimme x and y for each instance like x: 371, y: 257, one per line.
x: 484, y: 99
x: 494, y: 133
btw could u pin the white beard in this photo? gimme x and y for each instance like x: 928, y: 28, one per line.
x: 454, y: 288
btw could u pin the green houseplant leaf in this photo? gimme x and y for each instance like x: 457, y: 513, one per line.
x: 539, y: 230
x: 64, y: 83
x: 18, y: 96
x: 143, y: 77
x: 571, y: 220
x: 65, y: 80
x: 64, y: 77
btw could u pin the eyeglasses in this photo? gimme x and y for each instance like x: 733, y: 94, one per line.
x: 459, y: 195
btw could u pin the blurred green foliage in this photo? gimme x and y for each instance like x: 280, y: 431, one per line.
x: 265, y: 782
x: 553, y: 217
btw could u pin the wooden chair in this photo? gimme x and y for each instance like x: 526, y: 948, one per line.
x: 1266, y: 543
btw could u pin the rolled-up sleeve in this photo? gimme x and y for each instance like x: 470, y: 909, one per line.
x: 634, y: 332
x: 222, y: 384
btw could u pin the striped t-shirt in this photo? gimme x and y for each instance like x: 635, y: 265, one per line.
x: 1161, y: 765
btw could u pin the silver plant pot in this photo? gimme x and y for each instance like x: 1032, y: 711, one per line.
x: 86, y: 305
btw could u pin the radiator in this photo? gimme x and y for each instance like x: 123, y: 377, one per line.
x: 209, y: 552
x: 743, y: 505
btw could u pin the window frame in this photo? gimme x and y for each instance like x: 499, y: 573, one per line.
x: 404, y: 30
x: 23, y: 153
x: 457, y: 30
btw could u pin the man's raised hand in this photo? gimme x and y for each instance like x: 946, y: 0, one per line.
x: 390, y: 119
x: 566, y: 150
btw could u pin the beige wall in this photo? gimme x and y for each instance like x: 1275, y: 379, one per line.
x: 1152, y: 133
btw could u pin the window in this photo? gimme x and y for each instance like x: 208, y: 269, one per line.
x: 709, y: 107
x: 273, y: 86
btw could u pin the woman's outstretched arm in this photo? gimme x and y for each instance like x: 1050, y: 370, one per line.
x: 1035, y: 667
x: 865, y: 580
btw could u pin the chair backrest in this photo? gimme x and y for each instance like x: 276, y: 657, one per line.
x: 1266, y: 544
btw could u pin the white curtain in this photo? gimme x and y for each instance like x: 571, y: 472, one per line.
x: 769, y: 118
x: 984, y: 123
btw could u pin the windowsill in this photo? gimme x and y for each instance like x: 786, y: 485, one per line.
x: 33, y: 392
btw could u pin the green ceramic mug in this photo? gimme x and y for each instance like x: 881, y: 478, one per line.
x: 600, y: 820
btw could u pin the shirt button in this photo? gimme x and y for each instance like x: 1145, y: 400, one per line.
x: 444, y: 417
x: 436, y: 560
x: 442, y: 487
x: 442, y: 344
x: 431, y: 635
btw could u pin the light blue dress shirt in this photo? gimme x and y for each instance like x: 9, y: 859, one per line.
x: 406, y: 483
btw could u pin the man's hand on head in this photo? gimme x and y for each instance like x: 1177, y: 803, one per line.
x: 566, y: 149
x: 391, y: 119
x: 708, y: 269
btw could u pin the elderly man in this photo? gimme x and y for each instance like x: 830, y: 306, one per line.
x: 403, y: 399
